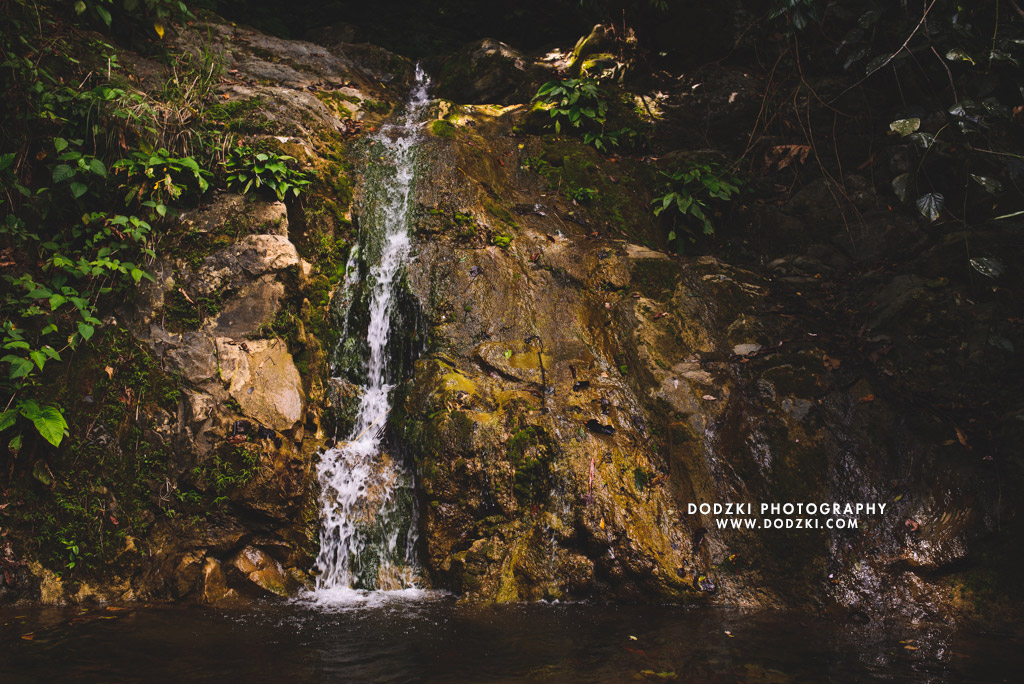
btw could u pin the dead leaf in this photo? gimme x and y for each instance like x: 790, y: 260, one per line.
x: 960, y: 436
x: 830, y: 363
x: 709, y: 397
x: 109, y: 371
x: 911, y: 524
x: 661, y: 315
x: 782, y: 156
x: 867, y: 399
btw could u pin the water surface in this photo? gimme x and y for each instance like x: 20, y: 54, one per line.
x: 436, y: 640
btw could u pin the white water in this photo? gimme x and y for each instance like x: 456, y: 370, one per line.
x: 367, y: 533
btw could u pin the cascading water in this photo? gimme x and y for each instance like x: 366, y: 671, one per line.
x: 367, y: 533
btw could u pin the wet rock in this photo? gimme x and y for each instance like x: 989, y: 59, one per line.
x: 214, y: 583
x: 261, y: 571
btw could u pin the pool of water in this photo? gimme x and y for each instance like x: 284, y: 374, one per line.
x: 436, y: 640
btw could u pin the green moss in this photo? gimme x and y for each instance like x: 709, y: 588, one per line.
x: 500, y: 213
x: 442, y: 129
x: 376, y: 107
x: 528, y: 453
x: 181, y: 314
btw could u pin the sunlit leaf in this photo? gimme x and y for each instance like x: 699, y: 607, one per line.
x: 958, y: 55
x: 905, y: 126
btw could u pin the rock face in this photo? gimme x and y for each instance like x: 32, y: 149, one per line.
x: 580, y: 392
x: 484, y: 72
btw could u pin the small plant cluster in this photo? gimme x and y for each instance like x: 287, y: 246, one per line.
x: 686, y: 194
x: 582, y: 105
x: 248, y: 169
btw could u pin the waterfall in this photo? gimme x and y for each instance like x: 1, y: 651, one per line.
x: 368, y: 531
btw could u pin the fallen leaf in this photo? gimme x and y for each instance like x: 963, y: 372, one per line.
x: 960, y: 436
x: 109, y: 371
x: 911, y: 524
x: 709, y: 397
x: 782, y: 156
x: 29, y: 636
x: 661, y: 315
x: 867, y: 399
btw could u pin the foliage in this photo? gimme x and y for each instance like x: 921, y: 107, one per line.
x: 155, y: 12
x: 686, y: 194
x: 248, y: 168
x: 69, y: 237
x: 953, y: 71
x: 579, y: 102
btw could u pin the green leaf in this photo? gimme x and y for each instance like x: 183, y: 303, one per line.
x: 61, y: 172
x: 78, y: 189
x: 50, y: 424
x: 20, y: 367
x: 15, y: 443
x: 39, y: 358
x: 905, y: 127
x: 104, y: 15
x: 930, y: 205
x: 59, y: 144
x: 96, y: 166
x: 79, y: 7
x: 8, y: 418
x: 85, y: 330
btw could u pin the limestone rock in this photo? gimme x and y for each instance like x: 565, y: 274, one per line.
x: 229, y: 210
x: 251, y: 257
x: 264, y: 381
x: 261, y: 570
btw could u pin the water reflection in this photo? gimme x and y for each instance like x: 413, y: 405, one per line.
x: 435, y: 640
